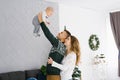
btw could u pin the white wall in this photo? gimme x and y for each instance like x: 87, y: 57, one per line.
x: 19, y: 49
x: 82, y: 23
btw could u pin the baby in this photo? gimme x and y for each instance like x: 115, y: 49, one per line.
x: 45, y: 15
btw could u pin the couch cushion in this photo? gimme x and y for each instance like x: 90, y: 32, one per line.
x: 32, y: 73
x: 18, y: 75
x: 4, y: 76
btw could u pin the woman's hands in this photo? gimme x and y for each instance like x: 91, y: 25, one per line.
x: 50, y: 60
x: 40, y: 17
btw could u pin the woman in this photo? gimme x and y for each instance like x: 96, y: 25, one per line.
x: 71, y: 58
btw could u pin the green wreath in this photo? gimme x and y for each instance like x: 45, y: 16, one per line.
x: 94, y: 42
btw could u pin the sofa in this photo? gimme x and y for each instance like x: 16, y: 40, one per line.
x: 20, y: 75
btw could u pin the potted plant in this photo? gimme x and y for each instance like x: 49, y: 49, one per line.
x: 76, y: 74
x: 43, y: 69
x: 42, y: 74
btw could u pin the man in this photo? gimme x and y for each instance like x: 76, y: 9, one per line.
x: 57, y: 51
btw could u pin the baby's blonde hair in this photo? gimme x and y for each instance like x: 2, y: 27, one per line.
x: 49, y: 9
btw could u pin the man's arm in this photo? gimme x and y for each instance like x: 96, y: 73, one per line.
x: 47, y: 32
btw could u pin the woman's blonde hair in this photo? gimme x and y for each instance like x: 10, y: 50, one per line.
x: 75, y: 46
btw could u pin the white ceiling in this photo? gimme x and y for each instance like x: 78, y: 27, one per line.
x: 100, y: 5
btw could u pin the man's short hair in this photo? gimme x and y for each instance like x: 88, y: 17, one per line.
x: 68, y: 33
